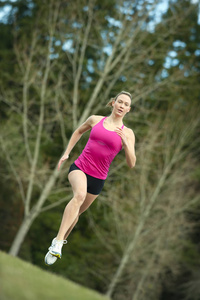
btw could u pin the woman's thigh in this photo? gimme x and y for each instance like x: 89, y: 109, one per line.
x: 78, y: 181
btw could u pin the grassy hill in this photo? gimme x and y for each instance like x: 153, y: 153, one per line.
x: 20, y: 280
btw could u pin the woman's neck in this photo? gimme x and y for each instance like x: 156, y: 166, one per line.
x: 118, y: 121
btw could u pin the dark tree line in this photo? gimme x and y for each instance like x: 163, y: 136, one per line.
x: 60, y: 62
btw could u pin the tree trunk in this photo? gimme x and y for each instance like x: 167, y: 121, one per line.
x: 32, y: 215
x: 21, y: 234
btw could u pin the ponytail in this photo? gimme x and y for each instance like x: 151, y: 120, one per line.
x: 109, y: 104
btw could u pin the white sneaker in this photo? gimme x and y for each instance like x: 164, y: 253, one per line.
x: 56, y: 247
x: 50, y: 259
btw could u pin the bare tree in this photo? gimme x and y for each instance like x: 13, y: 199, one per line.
x: 38, y: 79
x: 160, y: 196
x: 147, y: 217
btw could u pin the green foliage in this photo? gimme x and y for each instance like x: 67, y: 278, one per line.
x: 11, y: 208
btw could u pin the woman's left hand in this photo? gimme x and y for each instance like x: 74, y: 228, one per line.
x: 120, y: 132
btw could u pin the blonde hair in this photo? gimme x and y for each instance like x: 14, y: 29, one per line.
x: 109, y: 104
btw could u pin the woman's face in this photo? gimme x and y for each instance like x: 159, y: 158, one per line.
x: 122, y: 105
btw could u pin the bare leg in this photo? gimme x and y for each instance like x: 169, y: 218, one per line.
x: 71, y: 228
x: 88, y: 201
x: 78, y: 182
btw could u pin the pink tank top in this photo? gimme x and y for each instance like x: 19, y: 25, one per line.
x: 102, y: 146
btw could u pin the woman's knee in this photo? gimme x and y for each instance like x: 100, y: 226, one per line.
x: 79, y: 198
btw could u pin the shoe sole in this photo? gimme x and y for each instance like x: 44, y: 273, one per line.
x: 45, y: 260
x: 47, y: 264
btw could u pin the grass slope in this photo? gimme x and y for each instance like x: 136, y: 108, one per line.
x: 20, y: 280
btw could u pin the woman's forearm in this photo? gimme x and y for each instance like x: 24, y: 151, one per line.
x: 130, y: 156
x: 72, y: 142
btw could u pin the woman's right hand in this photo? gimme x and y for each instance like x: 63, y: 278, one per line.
x: 63, y: 158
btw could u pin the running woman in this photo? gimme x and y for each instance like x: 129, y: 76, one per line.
x: 88, y: 173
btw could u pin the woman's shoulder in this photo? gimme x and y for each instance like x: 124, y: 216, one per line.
x: 94, y: 119
x: 129, y: 131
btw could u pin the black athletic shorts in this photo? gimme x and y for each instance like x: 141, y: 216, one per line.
x: 94, y: 185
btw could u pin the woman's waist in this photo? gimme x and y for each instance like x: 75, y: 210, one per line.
x: 93, y: 167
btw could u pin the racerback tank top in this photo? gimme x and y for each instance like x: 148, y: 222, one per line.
x: 102, y: 146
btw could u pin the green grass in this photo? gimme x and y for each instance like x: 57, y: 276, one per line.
x: 20, y: 280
